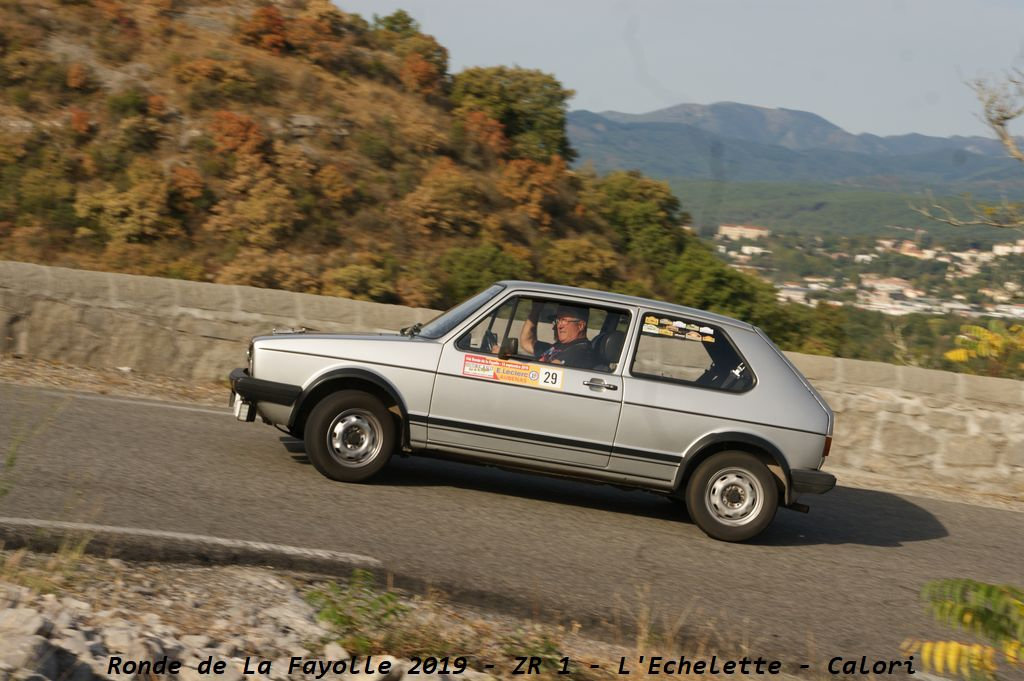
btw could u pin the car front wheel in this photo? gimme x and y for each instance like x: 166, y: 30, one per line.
x: 732, y: 496
x: 349, y: 436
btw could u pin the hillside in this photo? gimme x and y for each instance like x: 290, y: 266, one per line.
x: 295, y: 145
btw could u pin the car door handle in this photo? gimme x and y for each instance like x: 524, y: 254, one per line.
x: 599, y: 383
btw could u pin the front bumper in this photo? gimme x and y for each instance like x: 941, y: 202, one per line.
x: 811, y: 482
x: 259, y: 390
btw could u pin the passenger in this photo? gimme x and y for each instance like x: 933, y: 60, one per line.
x: 571, y: 346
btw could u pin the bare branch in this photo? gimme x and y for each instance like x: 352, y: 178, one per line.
x: 1004, y: 214
x: 1002, y: 102
x: 1001, y: 106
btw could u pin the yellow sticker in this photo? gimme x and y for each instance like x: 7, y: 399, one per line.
x: 534, y: 375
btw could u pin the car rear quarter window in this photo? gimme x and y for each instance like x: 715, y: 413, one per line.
x: 681, y: 350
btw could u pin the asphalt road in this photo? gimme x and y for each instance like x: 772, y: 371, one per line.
x: 842, y: 580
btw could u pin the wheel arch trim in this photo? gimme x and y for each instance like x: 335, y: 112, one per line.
x: 303, y: 404
x: 712, y: 443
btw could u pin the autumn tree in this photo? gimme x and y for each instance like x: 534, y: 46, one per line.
x: 447, y: 202
x: 530, y: 105
x: 537, y: 189
x: 257, y: 210
x: 265, y: 28
x: 478, y: 139
x: 137, y: 214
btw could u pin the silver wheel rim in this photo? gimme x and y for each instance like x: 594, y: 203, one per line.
x: 734, y: 496
x: 354, y: 438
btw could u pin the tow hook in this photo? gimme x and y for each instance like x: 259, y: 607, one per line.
x: 797, y: 506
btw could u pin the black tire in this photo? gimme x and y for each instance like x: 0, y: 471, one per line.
x: 732, y: 496
x: 350, y: 436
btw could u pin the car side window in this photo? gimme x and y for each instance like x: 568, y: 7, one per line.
x: 487, y: 335
x: 687, y: 351
x: 551, y: 331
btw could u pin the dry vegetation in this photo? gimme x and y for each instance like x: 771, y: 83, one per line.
x: 293, y: 145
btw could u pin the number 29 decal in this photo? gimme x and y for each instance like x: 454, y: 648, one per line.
x: 533, y: 375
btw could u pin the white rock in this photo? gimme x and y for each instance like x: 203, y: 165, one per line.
x: 23, y: 621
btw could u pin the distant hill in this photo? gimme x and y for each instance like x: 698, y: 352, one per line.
x: 801, y: 130
x: 741, y: 143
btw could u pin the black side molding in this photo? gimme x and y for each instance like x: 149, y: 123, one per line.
x: 812, y: 482
x: 258, y: 390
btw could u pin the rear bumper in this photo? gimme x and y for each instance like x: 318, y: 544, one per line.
x: 811, y: 482
x: 258, y: 390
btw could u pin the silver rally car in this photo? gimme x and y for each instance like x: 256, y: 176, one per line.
x: 560, y: 380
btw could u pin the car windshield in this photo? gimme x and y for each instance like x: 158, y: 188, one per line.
x: 447, y: 321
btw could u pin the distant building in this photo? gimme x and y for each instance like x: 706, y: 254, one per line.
x: 753, y: 250
x: 737, y: 232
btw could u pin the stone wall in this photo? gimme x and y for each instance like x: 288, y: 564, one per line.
x: 179, y: 328
x: 893, y: 420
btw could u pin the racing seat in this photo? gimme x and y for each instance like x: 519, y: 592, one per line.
x: 608, y: 347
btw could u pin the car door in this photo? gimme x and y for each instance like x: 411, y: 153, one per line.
x: 515, y: 406
x: 685, y: 379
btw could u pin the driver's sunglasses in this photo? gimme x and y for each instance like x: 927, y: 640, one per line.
x: 566, y: 320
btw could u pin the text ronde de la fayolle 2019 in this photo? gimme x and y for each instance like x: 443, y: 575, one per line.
x: 379, y: 665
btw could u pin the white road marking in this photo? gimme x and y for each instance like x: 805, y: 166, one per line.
x: 352, y: 559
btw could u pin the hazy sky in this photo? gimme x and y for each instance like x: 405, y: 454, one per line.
x: 880, y: 66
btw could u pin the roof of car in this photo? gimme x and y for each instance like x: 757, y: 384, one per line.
x: 621, y: 299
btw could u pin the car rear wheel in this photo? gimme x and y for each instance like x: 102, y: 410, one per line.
x: 350, y: 436
x: 732, y: 496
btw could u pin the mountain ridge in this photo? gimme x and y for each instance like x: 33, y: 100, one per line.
x: 724, y: 118
x: 742, y: 143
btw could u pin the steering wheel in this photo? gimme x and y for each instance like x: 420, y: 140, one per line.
x: 489, y: 342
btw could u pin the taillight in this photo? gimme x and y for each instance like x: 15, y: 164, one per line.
x: 828, y: 446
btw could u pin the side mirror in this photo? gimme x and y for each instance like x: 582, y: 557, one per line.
x: 509, y: 347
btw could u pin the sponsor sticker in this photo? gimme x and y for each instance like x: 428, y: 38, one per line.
x: 692, y: 327
x: 506, y: 371
x: 650, y: 328
x: 650, y: 319
x: 707, y: 331
x: 679, y: 325
x: 667, y: 331
x: 693, y: 335
x: 708, y: 339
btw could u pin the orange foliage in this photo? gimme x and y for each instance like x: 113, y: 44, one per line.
x: 448, y: 201
x: 186, y: 183
x: 236, y: 132
x: 487, y: 132
x: 156, y: 105
x: 419, y: 75
x: 534, y: 186
x: 81, y: 122
x: 334, y: 185
x: 78, y: 76
x: 266, y: 29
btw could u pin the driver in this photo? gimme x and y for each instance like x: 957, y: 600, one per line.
x: 571, y: 346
